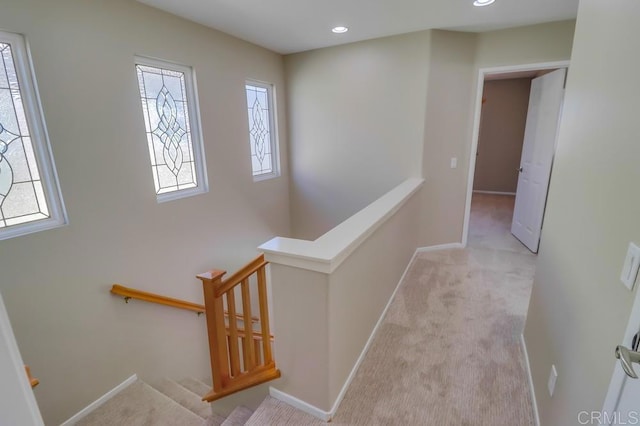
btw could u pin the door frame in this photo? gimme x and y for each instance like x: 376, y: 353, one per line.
x: 482, y: 73
x: 618, y: 376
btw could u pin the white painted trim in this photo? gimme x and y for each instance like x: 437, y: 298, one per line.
x: 195, y: 124
x: 618, y: 377
x: 367, y: 345
x: 532, y: 390
x: 438, y: 247
x: 482, y: 72
x: 300, y: 404
x: 327, y: 252
x: 100, y: 401
x: 476, y: 191
x: 24, y: 407
x: 39, y: 139
x: 273, y: 130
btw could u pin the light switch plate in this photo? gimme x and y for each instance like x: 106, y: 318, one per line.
x: 631, y: 265
x: 454, y: 162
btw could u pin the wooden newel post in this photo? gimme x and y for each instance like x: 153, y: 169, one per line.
x: 216, y: 328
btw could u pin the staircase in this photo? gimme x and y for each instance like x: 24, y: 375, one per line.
x: 240, y: 349
x: 169, y: 403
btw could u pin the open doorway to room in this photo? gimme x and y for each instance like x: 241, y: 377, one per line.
x: 515, y: 130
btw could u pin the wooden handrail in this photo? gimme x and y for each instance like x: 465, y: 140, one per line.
x: 239, y: 359
x: 32, y: 380
x: 132, y: 293
x: 244, y: 273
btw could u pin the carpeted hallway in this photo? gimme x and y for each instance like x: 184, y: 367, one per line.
x: 448, y: 351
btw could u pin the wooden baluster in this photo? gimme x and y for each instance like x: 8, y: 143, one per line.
x: 248, y: 351
x: 256, y: 346
x: 216, y: 328
x: 234, y: 353
x: 264, y: 315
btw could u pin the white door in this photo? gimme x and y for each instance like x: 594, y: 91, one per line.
x: 622, y: 404
x: 545, y: 103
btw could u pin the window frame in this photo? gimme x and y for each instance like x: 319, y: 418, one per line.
x: 197, y: 140
x: 40, y: 141
x: 273, y: 129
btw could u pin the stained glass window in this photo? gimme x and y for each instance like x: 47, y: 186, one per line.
x: 262, y: 139
x: 27, y: 181
x: 170, y: 118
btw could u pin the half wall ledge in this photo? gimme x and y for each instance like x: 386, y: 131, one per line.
x: 327, y: 252
x: 329, y: 295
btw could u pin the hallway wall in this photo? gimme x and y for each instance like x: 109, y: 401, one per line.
x: 365, y: 116
x: 356, y: 124
x: 79, y: 340
x: 579, y: 308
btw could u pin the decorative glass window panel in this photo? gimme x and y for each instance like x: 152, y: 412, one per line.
x: 262, y: 135
x: 30, y: 198
x: 171, y: 119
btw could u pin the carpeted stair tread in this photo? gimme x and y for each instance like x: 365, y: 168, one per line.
x: 141, y: 405
x: 275, y: 412
x: 195, y: 386
x: 238, y: 416
x: 185, y: 397
x: 214, y: 420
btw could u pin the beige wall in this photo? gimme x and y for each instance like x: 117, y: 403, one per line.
x: 447, y: 134
x: 322, y: 320
x: 579, y: 308
x: 525, y: 45
x: 356, y: 126
x: 504, y: 115
x: 79, y: 340
x: 446, y: 137
x: 348, y: 148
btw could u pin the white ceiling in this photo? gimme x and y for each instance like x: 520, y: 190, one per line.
x: 288, y: 26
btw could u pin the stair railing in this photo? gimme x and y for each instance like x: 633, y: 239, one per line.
x: 239, y: 359
x: 132, y: 293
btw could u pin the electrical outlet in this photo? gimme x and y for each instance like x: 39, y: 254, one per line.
x: 553, y: 377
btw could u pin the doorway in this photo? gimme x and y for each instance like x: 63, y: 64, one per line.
x: 497, y: 164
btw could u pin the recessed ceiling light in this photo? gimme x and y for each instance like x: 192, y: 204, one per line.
x: 483, y: 2
x: 339, y: 30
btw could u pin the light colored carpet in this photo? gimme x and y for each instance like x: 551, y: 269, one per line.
x: 448, y: 351
x: 185, y: 397
x: 141, y: 405
x: 490, y: 223
x: 275, y: 412
x: 238, y: 417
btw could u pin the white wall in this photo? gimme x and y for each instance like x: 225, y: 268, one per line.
x: 356, y: 125
x: 79, y: 340
x: 579, y: 308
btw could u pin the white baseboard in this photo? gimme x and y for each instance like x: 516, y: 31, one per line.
x: 439, y: 247
x: 367, y: 345
x: 98, y: 402
x: 493, y: 192
x: 532, y: 390
x: 328, y: 415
